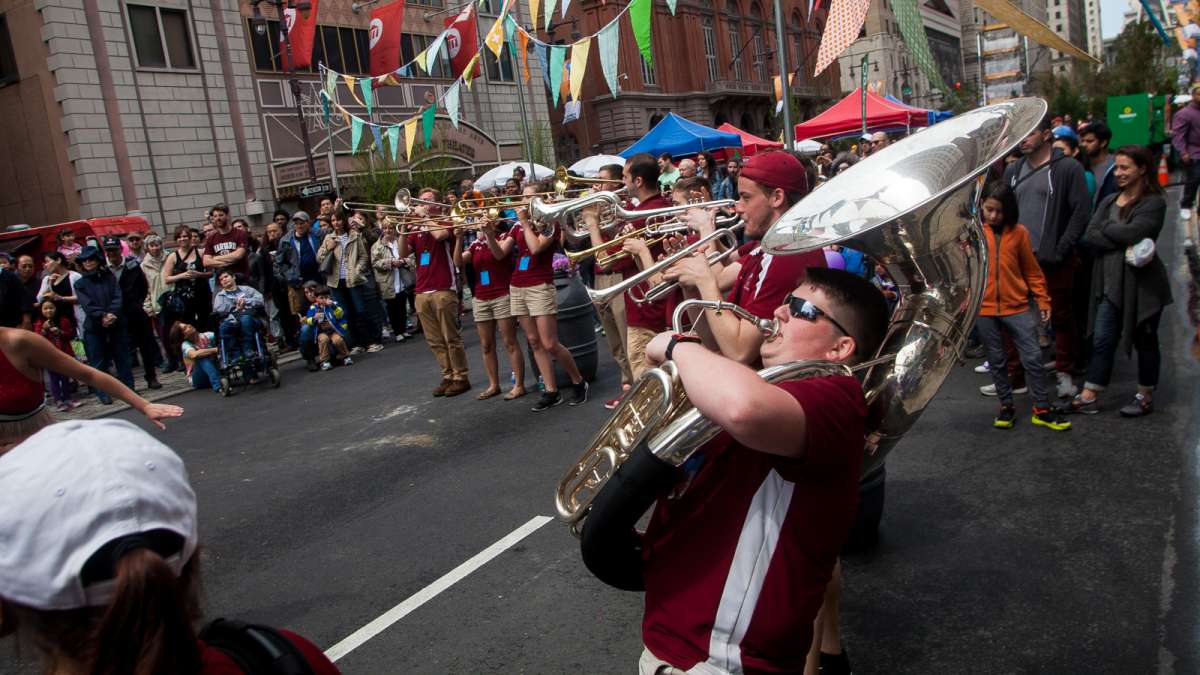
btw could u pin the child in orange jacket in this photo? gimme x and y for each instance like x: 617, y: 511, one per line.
x: 1013, y: 277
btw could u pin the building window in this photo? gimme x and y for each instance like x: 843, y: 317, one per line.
x: 344, y: 50
x: 161, y: 38
x: 735, y: 47
x: 411, y: 45
x: 8, y: 62
x: 487, y: 7
x: 499, y: 70
x: 760, y: 54
x: 648, y: 78
x: 710, y: 48
x: 427, y: 3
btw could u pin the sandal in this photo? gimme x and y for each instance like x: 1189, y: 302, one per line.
x: 487, y: 393
x: 514, y: 394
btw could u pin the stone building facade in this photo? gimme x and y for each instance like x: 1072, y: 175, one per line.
x: 1069, y: 20
x: 1000, y: 63
x: 713, y: 63
x: 891, y: 67
x: 167, y: 107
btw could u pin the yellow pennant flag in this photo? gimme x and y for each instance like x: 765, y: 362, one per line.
x: 469, y: 73
x: 410, y: 135
x: 350, y: 82
x: 533, y: 11
x: 495, y: 37
x: 420, y: 59
x: 579, y: 57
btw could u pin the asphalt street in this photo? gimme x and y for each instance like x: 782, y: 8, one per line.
x: 341, y: 496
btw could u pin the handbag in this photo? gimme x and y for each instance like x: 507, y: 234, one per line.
x: 172, y: 303
x: 1140, y: 254
x: 329, y: 265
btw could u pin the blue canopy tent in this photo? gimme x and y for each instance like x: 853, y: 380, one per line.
x: 680, y: 136
x: 935, y: 116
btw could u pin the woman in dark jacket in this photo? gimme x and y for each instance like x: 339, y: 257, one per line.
x: 1126, y: 301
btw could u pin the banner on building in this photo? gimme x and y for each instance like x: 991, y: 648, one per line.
x: 462, y: 41
x: 300, y: 32
x: 384, y: 34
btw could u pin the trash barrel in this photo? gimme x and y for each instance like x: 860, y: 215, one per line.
x: 576, y: 328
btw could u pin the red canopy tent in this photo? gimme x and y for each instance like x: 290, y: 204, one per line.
x: 751, y: 144
x: 845, y: 117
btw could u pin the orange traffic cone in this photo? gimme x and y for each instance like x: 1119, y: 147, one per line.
x: 1164, y: 174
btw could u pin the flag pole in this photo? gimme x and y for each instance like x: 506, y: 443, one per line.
x: 785, y: 86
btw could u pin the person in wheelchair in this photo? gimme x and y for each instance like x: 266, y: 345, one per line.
x: 236, y: 307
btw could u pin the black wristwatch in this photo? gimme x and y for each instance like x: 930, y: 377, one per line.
x: 676, y: 338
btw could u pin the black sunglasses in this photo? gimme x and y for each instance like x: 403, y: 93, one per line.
x: 803, y: 309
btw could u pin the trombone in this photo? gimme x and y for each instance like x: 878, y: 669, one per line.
x: 562, y: 177
x: 662, y: 290
x: 563, y: 212
x: 657, y: 231
x: 400, y: 206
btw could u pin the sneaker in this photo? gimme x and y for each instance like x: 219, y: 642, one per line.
x: 990, y: 390
x: 325, y: 365
x: 104, y: 398
x: 62, y: 406
x: 612, y: 403
x: 1051, y: 419
x: 347, y: 361
x: 73, y: 404
x: 400, y: 338
x: 1006, y: 417
x: 1139, y: 406
x: 579, y: 393
x: 1185, y: 214
x: 548, y: 400
x: 983, y: 368
x: 974, y: 351
x: 153, y: 384
x: 313, y: 367
x: 1078, y: 405
x: 356, y: 351
x: 1066, y: 388
x: 377, y: 347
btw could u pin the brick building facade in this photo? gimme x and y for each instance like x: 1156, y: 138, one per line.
x: 166, y: 107
x: 713, y: 63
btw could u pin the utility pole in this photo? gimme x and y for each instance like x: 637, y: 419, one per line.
x: 785, y: 87
x: 260, y: 27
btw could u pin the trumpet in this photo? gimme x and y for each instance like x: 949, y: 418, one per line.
x: 662, y: 290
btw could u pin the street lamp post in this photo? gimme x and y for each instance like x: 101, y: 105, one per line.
x: 785, y: 88
x: 260, y: 27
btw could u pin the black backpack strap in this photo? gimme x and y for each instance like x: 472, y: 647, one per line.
x: 257, y: 650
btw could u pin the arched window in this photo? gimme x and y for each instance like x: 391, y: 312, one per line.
x: 655, y: 119
x: 708, y: 32
x: 797, y: 63
x: 733, y: 30
x: 748, y: 123
x: 759, y: 45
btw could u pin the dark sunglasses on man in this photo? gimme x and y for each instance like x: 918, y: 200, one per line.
x: 803, y: 309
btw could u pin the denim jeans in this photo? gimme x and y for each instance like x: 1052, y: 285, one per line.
x: 1191, y: 182
x: 206, y: 374
x: 106, y: 347
x: 359, y: 305
x: 1022, y: 328
x: 308, y: 342
x: 238, y: 333
x: 1106, y: 336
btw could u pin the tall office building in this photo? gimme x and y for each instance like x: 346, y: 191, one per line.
x: 1068, y: 18
x: 998, y: 62
x: 1095, y: 33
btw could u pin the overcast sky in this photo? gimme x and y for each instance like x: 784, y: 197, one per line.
x: 1112, y: 14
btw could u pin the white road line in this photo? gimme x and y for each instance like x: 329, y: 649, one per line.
x: 385, y: 620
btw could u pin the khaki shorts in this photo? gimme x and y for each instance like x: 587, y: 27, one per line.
x: 537, y: 300
x: 635, y: 351
x: 492, y: 310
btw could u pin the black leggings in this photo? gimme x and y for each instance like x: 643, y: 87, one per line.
x: 397, y: 311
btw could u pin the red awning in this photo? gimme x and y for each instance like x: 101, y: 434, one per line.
x: 845, y: 117
x: 751, y: 144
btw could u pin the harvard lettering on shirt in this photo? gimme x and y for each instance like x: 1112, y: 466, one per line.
x: 492, y: 277
x: 220, y: 244
x: 649, y: 315
x: 765, y: 280
x: 435, y: 264
x: 758, y: 535
x: 532, y: 270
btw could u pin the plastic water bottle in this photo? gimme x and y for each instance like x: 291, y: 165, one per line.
x: 541, y: 384
x: 512, y: 379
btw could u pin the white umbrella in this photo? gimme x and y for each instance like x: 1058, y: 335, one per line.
x: 808, y: 147
x: 589, y: 167
x: 497, y: 176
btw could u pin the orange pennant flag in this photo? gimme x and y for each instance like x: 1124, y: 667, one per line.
x: 523, y: 41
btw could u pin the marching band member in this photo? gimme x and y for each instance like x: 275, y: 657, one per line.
x: 437, y: 299
x: 612, y: 314
x: 535, y: 304
x: 769, y: 184
x: 490, y: 261
x: 735, y: 568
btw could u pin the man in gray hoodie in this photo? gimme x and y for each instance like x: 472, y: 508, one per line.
x: 1054, y: 206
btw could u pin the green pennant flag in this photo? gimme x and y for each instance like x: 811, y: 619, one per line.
x: 368, y: 97
x: 671, y: 6
x: 427, y: 118
x: 639, y: 17
x: 393, y: 134
x: 549, y: 7
x: 325, y: 106
x: 331, y: 84
x: 558, y: 54
x: 908, y: 17
x: 356, y: 126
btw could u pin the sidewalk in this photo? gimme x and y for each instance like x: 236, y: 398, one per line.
x: 172, y: 385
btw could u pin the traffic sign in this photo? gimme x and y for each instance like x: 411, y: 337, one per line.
x: 314, y: 189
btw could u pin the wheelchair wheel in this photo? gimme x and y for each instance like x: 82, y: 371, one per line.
x: 226, y: 388
x: 273, y: 374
